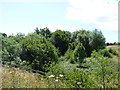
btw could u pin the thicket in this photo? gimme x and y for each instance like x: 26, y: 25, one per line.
x: 43, y: 50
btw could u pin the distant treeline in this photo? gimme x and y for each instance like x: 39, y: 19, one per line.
x: 115, y: 43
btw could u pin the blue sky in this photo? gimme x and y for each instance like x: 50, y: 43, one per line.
x: 25, y: 15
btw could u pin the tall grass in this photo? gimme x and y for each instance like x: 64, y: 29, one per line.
x: 15, y: 78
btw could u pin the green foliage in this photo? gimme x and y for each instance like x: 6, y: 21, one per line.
x: 45, y: 32
x: 84, y: 37
x: 105, y: 53
x: 79, y: 79
x: 104, y: 69
x: 55, y: 75
x: 98, y: 40
x: 118, y: 43
x: 71, y: 78
x: 112, y: 51
x: 79, y: 53
x: 68, y: 55
x: 91, y: 40
x: 38, y: 51
x: 68, y: 35
x: 74, y: 35
x: 60, y: 41
x: 11, y: 50
x: 54, y: 69
x: 3, y: 34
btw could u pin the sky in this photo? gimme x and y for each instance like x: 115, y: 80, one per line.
x: 23, y: 16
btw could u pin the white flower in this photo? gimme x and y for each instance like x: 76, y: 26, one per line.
x: 56, y: 77
x: 78, y: 83
x: 56, y: 80
x: 51, y: 76
x: 61, y: 75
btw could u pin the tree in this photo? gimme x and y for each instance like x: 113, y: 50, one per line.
x: 38, y: 51
x: 91, y: 40
x: 37, y: 30
x: 68, y: 35
x: 60, y: 41
x: 98, y: 40
x: 84, y: 37
x: 11, y: 50
x: 79, y: 53
x: 104, y: 69
x: 4, y: 34
x: 74, y: 36
x: 45, y: 32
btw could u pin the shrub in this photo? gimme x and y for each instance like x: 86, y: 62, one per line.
x: 105, y: 53
x: 38, y: 51
x: 112, y: 51
x: 11, y: 50
x: 79, y: 79
x: 79, y: 53
x: 69, y: 55
x: 104, y: 69
x: 54, y: 75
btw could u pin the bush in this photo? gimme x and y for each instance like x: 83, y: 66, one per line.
x: 79, y: 53
x: 69, y: 55
x: 104, y: 69
x: 11, y: 50
x: 105, y: 53
x: 38, y: 51
x: 54, y: 75
x: 79, y: 79
x: 112, y: 51
x: 71, y: 78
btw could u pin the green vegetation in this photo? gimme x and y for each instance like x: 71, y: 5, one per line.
x: 75, y: 60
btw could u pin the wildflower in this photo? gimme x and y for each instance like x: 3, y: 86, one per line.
x: 56, y: 80
x: 51, y: 76
x: 78, y: 83
x: 61, y: 75
x: 42, y: 79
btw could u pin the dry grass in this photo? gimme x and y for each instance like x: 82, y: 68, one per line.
x: 113, y: 46
x: 15, y: 78
x: 117, y: 48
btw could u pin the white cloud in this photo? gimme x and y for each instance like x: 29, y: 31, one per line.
x: 9, y: 30
x: 103, y: 13
x: 54, y: 27
x: 72, y: 29
x: 28, y: 28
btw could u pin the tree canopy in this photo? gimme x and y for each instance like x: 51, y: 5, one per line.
x: 37, y: 51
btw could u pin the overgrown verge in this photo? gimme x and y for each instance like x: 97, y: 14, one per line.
x: 16, y: 78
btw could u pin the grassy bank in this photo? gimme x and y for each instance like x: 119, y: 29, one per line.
x: 15, y: 78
